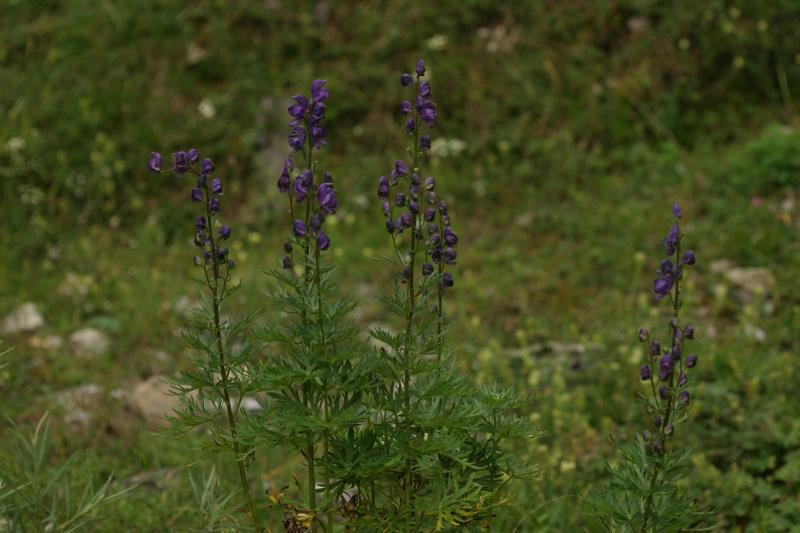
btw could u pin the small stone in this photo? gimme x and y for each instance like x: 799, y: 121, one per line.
x: 79, y: 402
x: 90, y: 342
x: 154, y: 479
x: 251, y: 405
x: 152, y: 400
x: 24, y: 318
x: 51, y: 343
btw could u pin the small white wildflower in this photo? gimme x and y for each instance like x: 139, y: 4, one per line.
x: 206, y: 108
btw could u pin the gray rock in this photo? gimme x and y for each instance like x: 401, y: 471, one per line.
x: 24, y: 318
x: 90, y: 342
x: 151, y: 399
x: 79, y: 402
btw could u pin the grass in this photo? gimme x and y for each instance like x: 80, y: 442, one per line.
x: 579, y: 134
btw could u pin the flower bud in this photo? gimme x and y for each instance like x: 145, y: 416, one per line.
x: 643, y: 335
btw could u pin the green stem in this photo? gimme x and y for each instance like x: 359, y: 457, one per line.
x: 223, y: 368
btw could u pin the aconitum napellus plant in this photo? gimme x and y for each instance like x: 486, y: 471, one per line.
x: 212, y: 392
x: 314, y: 375
x: 432, y: 456
x: 644, y: 494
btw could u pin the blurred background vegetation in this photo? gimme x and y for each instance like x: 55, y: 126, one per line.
x: 567, y: 130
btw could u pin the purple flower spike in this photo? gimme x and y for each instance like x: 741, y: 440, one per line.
x: 323, y: 241
x: 663, y: 286
x: 155, y: 163
x: 299, y: 228
x: 677, y: 212
x: 197, y: 195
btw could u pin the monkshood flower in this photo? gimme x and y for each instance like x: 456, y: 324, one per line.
x: 669, y: 398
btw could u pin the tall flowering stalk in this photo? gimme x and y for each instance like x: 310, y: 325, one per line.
x: 219, y: 381
x: 430, y: 456
x: 644, y: 489
x: 313, y: 381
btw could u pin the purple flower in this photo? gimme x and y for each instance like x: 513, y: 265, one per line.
x: 430, y: 183
x: 326, y: 196
x: 684, y: 397
x: 672, y: 239
x: 390, y: 226
x: 643, y: 335
x: 413, y: 206
x: 677, y: 212
x: 303, y: 184
x: 410, y: 125
x: 450, y: 255
x: 665, y: 367
x: 645, y: 373
x: 400, y: 199
x: 225, y: 232
x: 297, y: 138
x: 222, y: 253
x: 406, y: 79
x: 666, y: 267
x: 688, y: 331
x: 193, y: 155
x: 319, y: 93
x: 405, y: 106
x: 400, y: 169
x: 200, y: 223
x: 691, y: 361
x: 405, y: 221
x: 197, y: 195
x: 287, y: 262
x: 663, y: 392
x: 449, y: 236
x: 387, y: 207
x: 319, y: 136
x: 682, y: 379
x: 180, y: 163
x: 420, y: 68
x: 425, y: 142
x: 428, y: 114
x: 663, y: 286
x: 155, y: 163
x: 655, y: 348
x: 213, y: 205
x: 323, y: 241
x: 688, y: 258
x: 447, y: 279
x: 299, y: 228
x: 284, y: 182
x: 316, y: 222
x: 216, y: 186
x: 207, y: 167
x: 299, y: 108
x: 427, y: 269
x: 425, y: 89
x: 383, y: 187
x: 430, y: 214
x: 287, y: 247
x: 327, y: 178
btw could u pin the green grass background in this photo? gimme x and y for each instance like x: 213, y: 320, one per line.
x: 582, y: 122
